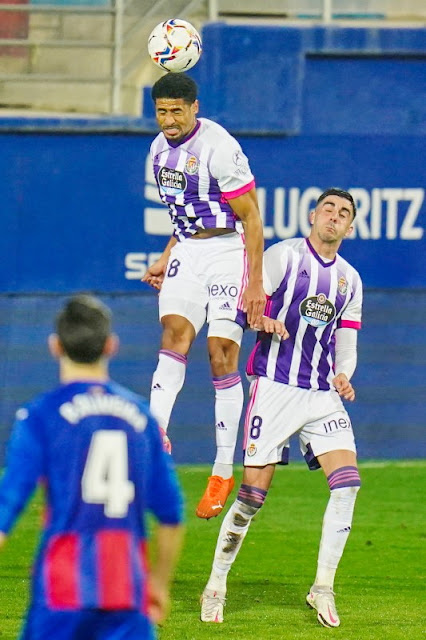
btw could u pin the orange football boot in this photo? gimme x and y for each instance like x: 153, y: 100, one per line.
x: 215, y: 496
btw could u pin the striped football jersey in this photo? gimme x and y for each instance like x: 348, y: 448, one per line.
x: 98, y: 452
x: 312, y: 298
x: 198, y: 175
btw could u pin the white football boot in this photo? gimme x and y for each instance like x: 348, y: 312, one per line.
x: 322, y: 599
x: 212, y: 603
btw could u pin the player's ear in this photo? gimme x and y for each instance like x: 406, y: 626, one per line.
x: 195, y: 107
x: 55, y: 346
x: 312, y: 216
x: 349, y: 231
x: 111, y: 346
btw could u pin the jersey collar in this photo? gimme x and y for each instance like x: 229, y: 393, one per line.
x: 186, y: 138
x: 318, y: 257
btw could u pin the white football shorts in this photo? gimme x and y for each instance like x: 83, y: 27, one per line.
x: 205, y: 279
x: 276, y: 411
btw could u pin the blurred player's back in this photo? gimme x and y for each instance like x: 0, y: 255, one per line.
x: 97, y: 448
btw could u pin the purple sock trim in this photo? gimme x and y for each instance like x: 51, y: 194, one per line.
x: 344, y: 477
x: 174, y: 355
x: 251, y: 495
x: 227, y: 381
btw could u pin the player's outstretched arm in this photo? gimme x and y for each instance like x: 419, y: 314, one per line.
x: 168, y: 543
x: 155, y: 273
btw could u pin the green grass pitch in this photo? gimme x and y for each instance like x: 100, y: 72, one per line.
x: 379, y: 584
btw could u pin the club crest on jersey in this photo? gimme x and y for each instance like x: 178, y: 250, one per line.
x: 252, y: 450
x: 342, y: 285
x: 171, y: 181
x: 192, y: 165
x: 317, y: 310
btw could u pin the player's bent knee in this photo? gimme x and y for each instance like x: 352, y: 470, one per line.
x: 227, y: 329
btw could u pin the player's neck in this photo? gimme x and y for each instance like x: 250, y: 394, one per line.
x: 325, y: 250
x: 78, y: 372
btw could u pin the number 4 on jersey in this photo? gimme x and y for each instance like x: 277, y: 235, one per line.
x: 106, y: 474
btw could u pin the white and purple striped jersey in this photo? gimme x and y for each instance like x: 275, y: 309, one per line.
x: 312, y: 298
x: 198, y: 175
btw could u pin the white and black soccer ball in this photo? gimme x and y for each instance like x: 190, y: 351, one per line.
x: 175, y: 45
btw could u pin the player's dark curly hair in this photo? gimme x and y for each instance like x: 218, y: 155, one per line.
x: 83, y: 326
x: 175, y: 85
x: 335, y: 191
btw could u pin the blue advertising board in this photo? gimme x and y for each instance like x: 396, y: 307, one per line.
x: 83, y: 212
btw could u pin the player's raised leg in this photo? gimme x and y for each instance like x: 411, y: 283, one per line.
x: 169, y: 376
x: 229, y: 399
x: 251, y: 496
x: 340, y: 468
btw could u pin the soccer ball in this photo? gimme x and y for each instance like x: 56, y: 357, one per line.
x: 174, y: 45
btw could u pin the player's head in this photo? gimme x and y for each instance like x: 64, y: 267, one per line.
x: 176, y: 105
x: 333, y: 216
x: 175, y: 85
x: 83, y: 329
x: 341, y: 193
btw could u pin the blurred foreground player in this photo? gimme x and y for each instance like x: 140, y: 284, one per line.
x: 297, y: 387
x: 99, y: 454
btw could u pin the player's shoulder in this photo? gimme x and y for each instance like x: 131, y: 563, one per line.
x: 38, y: 406
x: 346, y: 266
x: 214, y: 132
x: 285, y: 247
x: 127, y: 394
x: 159, y: 144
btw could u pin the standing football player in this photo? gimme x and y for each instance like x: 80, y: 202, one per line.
x: 297, y: 387
x: 211, y: 267
x: 99, y: 454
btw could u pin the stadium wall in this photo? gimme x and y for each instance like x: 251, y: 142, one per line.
x: 80, y: 211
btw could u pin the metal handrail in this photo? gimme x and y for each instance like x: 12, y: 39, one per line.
x: 54, y: 8
x: 114, y: 79
x: 54, y: 77
x: 116, y: 57
x: 68, y: 44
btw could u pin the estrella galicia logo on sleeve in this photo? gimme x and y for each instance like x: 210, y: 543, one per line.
x: 317, y: 310
x: 171, y: 182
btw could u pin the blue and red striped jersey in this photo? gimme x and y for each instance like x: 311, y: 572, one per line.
x: 98, y: 452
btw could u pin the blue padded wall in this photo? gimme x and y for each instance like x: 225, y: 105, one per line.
x: 388, y: 414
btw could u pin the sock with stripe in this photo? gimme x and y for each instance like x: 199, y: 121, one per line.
x: 344, y: 484
x: 167, y: 381
x: 229, y: 399
x: 232, y: 533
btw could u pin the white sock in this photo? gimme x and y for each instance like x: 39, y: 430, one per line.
x: 232, y: 533
x: 167, y: 381
x: 336, y: 527
x: 229, y: 399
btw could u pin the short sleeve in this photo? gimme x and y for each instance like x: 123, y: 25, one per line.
x: 352, y: 315
x: 230, y: 166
